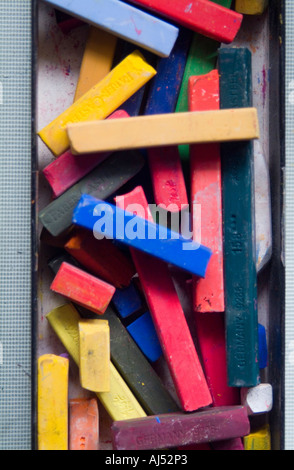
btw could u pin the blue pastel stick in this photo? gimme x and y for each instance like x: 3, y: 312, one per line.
x: 107, y: 220
x: 127, y: 301
x: 262, y: 346
x: 125, y: 21
x: 165, y: 86
x: 144, y: 334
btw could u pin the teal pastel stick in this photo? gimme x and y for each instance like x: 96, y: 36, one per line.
x: 238, y: 227
x: 125, y: 21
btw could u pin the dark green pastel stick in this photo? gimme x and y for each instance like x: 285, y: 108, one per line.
x: 129, y: 360
x: 102, y: 182
x: 238, y: 227
x: 201, y: 59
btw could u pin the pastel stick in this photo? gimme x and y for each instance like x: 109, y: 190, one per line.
x: 81, y: 287
x: 134, y: 103
x: 164, y: 163
x: 162, y: 298
x: 97, y: 60
x: 262, y: 347
x: 259, y: 439
x: 68, y: 169
x: 238, y: 227
x: 171, y: 430
x: 206, y: 192
x: 201, y: 60
x: 157, y: 241
x: 124, y: 21
x: 210, y: 328
x: 159, y: 130
x: 202, y: 16
x: 127, y: 301
x: 83, y: 424
x: 119, y: 402
x: 116, y: 171
x: 52, y: 381
x: 136, y: 370
x: 144, y: 334
x: 101, y: 258
x: 100, y: 101
x: 128, y: 359
x: 251, y: 7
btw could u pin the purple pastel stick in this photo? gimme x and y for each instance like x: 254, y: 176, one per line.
x: 179, y: 429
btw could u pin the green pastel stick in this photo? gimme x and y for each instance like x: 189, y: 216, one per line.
x: 237, y: 160
x: 201, y: 60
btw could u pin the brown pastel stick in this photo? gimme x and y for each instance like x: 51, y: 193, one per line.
x: 177, y: 429
x: 101, y: 258
x: 83, y: 424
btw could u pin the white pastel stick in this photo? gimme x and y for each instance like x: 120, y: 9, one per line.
x: 257, y: 399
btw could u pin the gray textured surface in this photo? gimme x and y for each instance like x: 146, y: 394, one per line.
x: 15, y: 221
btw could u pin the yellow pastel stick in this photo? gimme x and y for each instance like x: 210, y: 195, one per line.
x: 164, y: 129
x: 52, y: 402
x: 97, y: 60
x: 258, y: 440
x: 95, y: 355
x: 251, y: 7
x: 100, y: 101
x: 119, y: 402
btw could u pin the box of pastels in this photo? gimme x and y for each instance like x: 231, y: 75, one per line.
x: 159, y: 289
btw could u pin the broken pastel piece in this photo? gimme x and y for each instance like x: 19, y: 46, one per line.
x: 94, y: 337
x: 83, y: 424
x: 83, y: 288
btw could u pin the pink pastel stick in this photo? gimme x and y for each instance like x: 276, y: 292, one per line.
x: 210, y: 329
x: 167, y: 177
x: 206, y: 195
x: 68, y: 169
x: 168, y: 317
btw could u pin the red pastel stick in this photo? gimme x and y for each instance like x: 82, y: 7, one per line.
x: 168, y: 317
x: 82, y: 288
x: 83, y: 424
x: 210, y: 329
x: 68, y: 169
x: 206, y: 194
x: 101, y: 258
x: 202, y: 16
x: 167, y: 177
